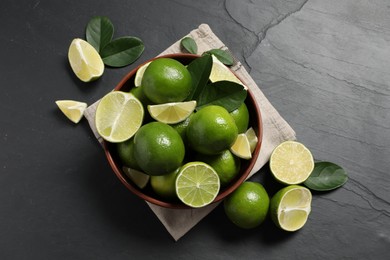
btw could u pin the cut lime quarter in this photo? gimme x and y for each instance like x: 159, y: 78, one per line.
x: 85, y: 61
x: 139, y: 178
x: 290, y: 207
x: 172, y: 113
x: 118, y: 116
x: 220, y: 72
x: 197, y: 184
x: 139, y: 74
x: 241, y: 147
x: 291, y: 162
x: 73, y: 110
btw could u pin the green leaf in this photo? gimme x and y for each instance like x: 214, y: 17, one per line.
x: 122, y: 51
x: 189, y: 45
x: 224, y: 56
x: 227, y: 94
x: 200, y: 69
x: 326, y: 176
x: 99, y: 32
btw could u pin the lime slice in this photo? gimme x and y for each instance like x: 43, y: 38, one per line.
x: 139, y: 74
x: 85, y: 61
x: 290, y: 207
x: 252, y: 138
x: 291, y: 162
x: 220, y: 72
x: 118, y: 116
x: 74, y: 110
x: 172, y: 113
x: 139, y: 178
x: 241, y: 147
x: 197, y: 184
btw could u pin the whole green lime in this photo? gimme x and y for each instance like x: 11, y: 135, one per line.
x: 158, y: 148
x: 211, y: 130
x: 126, y: 153
x: 225, y: 164
x: 247, y: 207
x: 181, y: 128
x: 166, y: 80
x: 164, y: 185
x: 241, y: 117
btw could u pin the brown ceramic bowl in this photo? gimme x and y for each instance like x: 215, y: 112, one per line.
x: 147, y: 193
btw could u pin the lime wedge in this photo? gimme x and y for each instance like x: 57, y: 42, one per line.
x: 241, y: 147
x: 290, y: 207
x: 252, y: 138
x: 291, y: 162
x: 139, y: 74
x: 74, y: 110
x: 197, y: 184
x: 220, y: 72
x: 139, y: 178
x: 85, y: 61
x: 118, y: 116
x: 172, y: 113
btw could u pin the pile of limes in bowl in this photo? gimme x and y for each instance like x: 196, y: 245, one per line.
x: 184, y: 153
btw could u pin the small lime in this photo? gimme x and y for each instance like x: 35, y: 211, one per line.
x: 158, y: 148
x: 164, y: 185
x: 247, y: 207
x: 241, y: 117
x: 126, y: 153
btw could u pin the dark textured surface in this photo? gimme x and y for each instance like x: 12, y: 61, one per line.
x: 324, y: 65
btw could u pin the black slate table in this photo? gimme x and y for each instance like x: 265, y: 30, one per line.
x: 324, y: 65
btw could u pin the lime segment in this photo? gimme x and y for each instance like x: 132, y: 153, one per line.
x: 118, y: 116
x: 197, y: 184
x: 85, y: 61
x: 252, y: 138
x: 220, y: 72
x: 73, y: 110
x: 290, y: 207
x: 241, y: 147
x: 139, y: 178
x: 172, y: 113
x: 291, y: 162
x: 139, y: 74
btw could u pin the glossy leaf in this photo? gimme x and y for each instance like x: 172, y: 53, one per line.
x: 227, y: 94
x: 200, y: 69
x: 222, y: 55
x: 122, y: 51
x: 326, y: 176
x: 189, y: 45
x: 99, y: 32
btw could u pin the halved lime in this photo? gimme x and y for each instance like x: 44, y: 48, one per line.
x: 85, y: 61
x: 252, y: 138
x: 290, y: 207
x: 118, y: 116
x: 241, y: 147
x: 172, y: 113
x: 73, y: 110
x: 139, y: 178
x: 291, y: 162
x: 197, y: 184
x: 220, y: 72
x: 139, y: 74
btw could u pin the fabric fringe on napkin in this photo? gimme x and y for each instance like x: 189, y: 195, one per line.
x: 275, y: 130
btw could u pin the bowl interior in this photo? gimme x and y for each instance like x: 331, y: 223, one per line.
x: 147, y: 193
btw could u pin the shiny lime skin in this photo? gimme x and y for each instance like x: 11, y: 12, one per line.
x: 158, y: 148
x: 166, y: 80
x: 241, y: 117
x: 247, y: 207
x: 211, y: 130
x: 125, y: 152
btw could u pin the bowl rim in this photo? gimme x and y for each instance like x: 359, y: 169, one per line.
x: 222, y: 194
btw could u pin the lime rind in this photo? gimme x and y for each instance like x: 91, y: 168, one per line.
x: 252, y: 138
x: 139, y: 74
